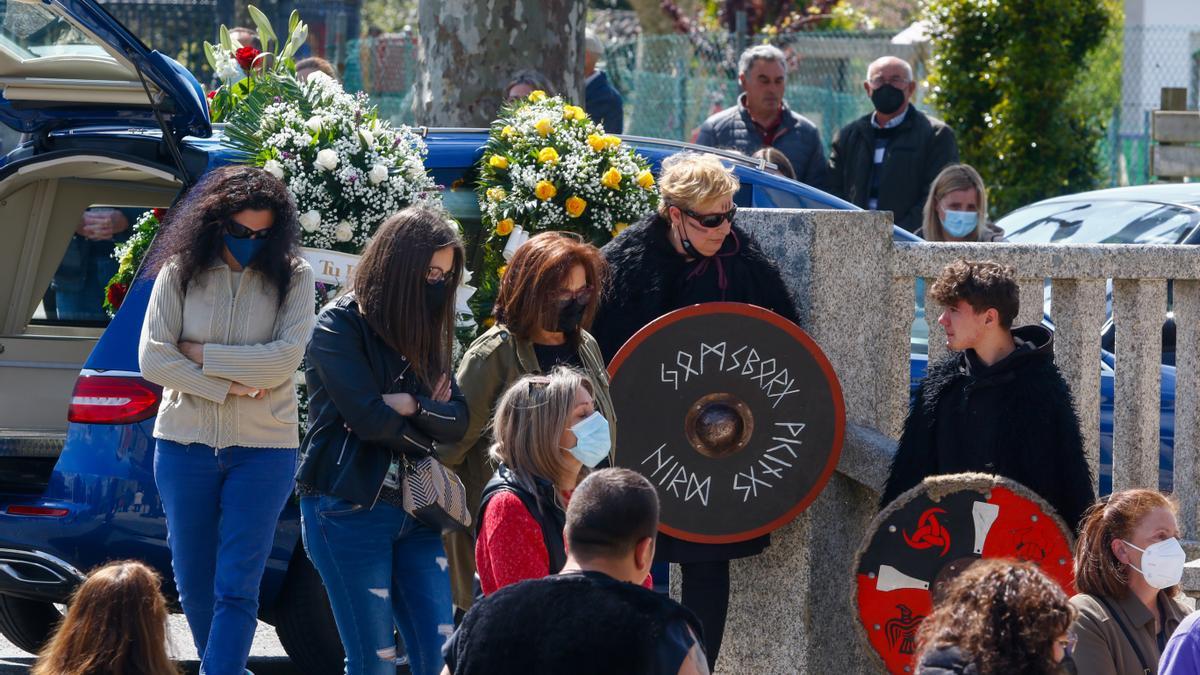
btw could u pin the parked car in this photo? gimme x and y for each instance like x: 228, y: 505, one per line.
x: 1148, y: 214
x: 76, y: 417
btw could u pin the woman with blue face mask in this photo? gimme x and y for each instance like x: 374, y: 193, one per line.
x: 225, y: 329
x: 547, y: 433
x: 956, y: 209
x: 1128, y: 565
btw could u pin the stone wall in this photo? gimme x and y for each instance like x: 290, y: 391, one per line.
x: 791, y: 608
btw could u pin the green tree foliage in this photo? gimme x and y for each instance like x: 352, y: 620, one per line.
x: 1003, y: 76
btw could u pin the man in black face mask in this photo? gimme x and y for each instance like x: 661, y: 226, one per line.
x: 887, y: 159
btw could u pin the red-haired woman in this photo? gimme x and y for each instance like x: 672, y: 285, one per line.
x: 545, y: 306
x: 1128, y: 564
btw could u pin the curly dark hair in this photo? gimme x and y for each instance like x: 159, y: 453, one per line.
x: 192, y: 231
x: 1003, y: 615
x: 984, y: 285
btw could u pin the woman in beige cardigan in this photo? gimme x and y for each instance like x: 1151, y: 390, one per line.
x: 228, y: 320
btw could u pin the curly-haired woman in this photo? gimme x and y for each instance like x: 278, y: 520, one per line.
x: 228, y: 319
x: 1128, y: 564
x: 999, y: 617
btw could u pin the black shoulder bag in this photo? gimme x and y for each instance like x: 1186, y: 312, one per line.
x: 1146, y: 670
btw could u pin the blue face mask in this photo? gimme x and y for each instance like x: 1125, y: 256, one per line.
x: 244, y: 250
x: 592, y: 440
x: 960, y: 223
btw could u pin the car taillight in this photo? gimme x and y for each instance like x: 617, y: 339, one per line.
x: 113, y: 400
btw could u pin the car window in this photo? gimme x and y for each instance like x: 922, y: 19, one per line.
x: 29, y: 31
x: 75, y: 296
x: 1100, y: 222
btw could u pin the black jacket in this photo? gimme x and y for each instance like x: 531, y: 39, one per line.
x: 648, y: 278
x: 543, y: 507
x: 583, y: 623
x: 946, y: 661
x: 352, y: 433
x: 604, y: 104
x: 1014, y: 418
x: 920, y: 147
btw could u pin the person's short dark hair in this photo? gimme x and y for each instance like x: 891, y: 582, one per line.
x: 531, y: 78
x: 983, y: 284
x: 242, y: 30
x: 316, y: 63
x: 776, y: 157
x: 609, y: 513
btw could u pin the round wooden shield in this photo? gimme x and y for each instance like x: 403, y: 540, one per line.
x: 932, y: 533
x: 734, y: 414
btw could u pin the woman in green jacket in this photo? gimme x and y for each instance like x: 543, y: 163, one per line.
x: 546, y: 303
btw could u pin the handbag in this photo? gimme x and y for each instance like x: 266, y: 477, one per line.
x: 433, y: 494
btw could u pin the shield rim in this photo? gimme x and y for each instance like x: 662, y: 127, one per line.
x: 814, y: 350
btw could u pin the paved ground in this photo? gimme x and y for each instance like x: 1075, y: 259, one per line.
x: 266, y: 657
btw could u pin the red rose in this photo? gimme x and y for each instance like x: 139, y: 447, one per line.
x: 115, y: 294
x: 245, y: 56
x: 212, y: 94
x: 158, y: 214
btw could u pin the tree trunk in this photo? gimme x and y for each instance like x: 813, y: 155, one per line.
x: 470, y: 50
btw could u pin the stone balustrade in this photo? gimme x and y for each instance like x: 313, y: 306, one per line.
x: 791, y: 607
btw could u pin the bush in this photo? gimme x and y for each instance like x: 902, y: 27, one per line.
x: 1003, y: 75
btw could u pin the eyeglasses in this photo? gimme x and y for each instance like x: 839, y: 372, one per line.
x: 582, y: 296
x: 240, y: 231
x: 897, y: 81
x: 436, y: 275
x: 711, y: 220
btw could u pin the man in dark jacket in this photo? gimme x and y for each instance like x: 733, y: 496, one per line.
x: 601, y: 99
x: 886, y: 161
x: 762, y: 118
x: 997, y: 405
x: 593, y: 617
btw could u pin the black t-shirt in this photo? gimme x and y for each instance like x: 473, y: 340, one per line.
x: 549, y: 356
x: 605, y: 622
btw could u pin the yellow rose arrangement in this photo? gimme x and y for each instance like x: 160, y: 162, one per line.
x: 548, y: 166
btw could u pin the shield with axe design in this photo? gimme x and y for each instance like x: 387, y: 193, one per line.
x: 734, y: 414
x: 933, y: 532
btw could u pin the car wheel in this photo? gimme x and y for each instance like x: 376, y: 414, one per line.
x: 304, y: 622
x: 28, y: 624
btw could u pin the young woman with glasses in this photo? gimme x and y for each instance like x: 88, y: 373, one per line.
x: 230, y: 313
x: 380, y: 391
x: 544, y: 308
x: 689, y: 252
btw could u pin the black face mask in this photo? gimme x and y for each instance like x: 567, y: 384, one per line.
x: 887, y: 99
x: 570, y: 316
x: 435, y: 297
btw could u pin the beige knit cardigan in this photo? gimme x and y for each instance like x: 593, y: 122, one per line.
x: 248, y: 337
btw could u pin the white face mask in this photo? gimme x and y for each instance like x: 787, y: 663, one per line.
x: 1162, y: 563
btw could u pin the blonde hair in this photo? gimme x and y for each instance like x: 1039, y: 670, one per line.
x: 689, y: 178
x: 529, y: 422
x: 953, y: 178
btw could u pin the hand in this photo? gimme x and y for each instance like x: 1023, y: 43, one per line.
x: 404, y: 404
x: 101, y: 224
x: 239, y: 389
x: 194, y: 351
x: 441, y: 393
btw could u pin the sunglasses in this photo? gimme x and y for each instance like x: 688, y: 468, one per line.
x: 711, y: 220
x: 583, y: 296
x: 240, y: 231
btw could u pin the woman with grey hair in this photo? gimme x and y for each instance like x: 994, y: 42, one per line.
x: 546, y: 430
x: 525, y: 82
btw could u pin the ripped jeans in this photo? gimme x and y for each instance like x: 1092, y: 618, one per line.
x: 381, y: 568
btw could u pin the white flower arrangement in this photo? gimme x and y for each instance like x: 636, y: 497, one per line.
x: 347, y: 169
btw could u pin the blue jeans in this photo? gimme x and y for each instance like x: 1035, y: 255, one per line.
x: 222, y: 510
x: 381, y: 568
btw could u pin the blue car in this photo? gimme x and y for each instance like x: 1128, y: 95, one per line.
x: 113, y: 127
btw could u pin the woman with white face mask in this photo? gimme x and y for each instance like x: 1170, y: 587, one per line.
x: 956, y: 209
x: 1128, y: 564
x: 548, y: 434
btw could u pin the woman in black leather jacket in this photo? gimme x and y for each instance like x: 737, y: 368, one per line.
x: 380, y: 388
